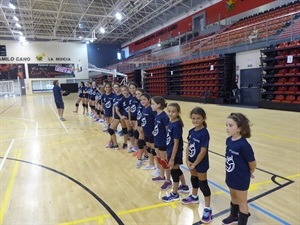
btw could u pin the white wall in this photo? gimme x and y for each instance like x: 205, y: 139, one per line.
x: 76, y: 52
x: 247, y: 60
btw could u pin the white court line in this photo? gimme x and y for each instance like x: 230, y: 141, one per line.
x: 58, y: 117
x: 6, y: 154
x: 36, y: 126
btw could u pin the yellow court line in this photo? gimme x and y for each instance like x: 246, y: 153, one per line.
x: 101, y: 218
x: 255, y: 185
x: 9, y: 188
x: 155, y: 206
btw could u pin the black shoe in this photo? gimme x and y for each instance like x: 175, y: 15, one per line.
x: 125, y: 146
x: 114, y: 147
x: 230, y: 220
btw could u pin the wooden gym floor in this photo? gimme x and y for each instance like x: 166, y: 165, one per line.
x: 54, y: 172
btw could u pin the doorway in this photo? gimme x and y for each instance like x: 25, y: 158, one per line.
x: 250, y: 86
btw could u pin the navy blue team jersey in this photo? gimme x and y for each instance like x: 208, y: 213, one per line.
x: 107, y: 102
x: 148, y: 117
x: 139, y: 114
x: 160, y: 132
x: 116, y: 100
x: 98, y: 97
x: 80, y: 91
x: 238, y: 154
x: 198, y: 139
x: 133, y: 103
x: 86, y: 89
x: 123, y: 106
x: 174, y: 132
x: 93, y: 92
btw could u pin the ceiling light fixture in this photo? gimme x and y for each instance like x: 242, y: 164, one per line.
x: 118, y: 16
x: 16, y: 18
x: 22, y: 39
x: 102, y: 30
x: 11, y: 6
x: 87, y: 42
x: 18, y: 25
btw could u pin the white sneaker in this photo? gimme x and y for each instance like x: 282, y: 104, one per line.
x: 156, y: 172
x: 149, y: 167
x: 139, y: 163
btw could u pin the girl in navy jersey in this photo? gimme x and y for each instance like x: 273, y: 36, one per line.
x: 148, y: 117
x: 240, y: 165
x: 158, y: 104
x: 122, y: 110
x: 132, y: 114
x: 116, y: 118
x: 85, y: 100
x: 107, y: 103
x: 175, y: 152
x: 198, y: 162
x: 93, y: 93
x: 98, y: 106
x: 80, y: 96
x: 140, y: 135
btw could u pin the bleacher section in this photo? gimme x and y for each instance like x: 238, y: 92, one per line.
x: 273, y: 24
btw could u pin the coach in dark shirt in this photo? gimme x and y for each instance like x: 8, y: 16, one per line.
x: 57, y: 92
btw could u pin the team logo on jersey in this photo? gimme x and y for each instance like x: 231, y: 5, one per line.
x: 168, y: 140
x: 139, y: 115
x: 230, y: 165
x: 108, y: 104
x: 133, y: 108
x: 155, y: 131
x: 144, y: 122
x: 192, y: 150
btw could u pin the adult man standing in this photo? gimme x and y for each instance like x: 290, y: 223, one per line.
x: 57, y: 92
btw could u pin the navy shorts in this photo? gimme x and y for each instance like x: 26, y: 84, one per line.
x: 161, y: 148
x: 139, y: 123
x: 60, y: 105
x: 149, y: 139
x: 200, y: 168
x: 108, y: 112
x: 80, y: 95
x: 177, y: 161
x: 133, y: 118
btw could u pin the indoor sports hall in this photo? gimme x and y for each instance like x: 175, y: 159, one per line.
x: 223, y: 56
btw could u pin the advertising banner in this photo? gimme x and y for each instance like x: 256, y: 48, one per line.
x: 12, y: 71
x: 46, y: 70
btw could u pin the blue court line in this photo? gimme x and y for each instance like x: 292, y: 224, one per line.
x: 250, y: 204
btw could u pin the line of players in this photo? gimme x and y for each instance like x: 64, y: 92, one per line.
x: 156, y: 136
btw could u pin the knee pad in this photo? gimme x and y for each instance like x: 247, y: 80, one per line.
x: 136, y: 134
x: 77, y: 104
x: 176, y: 173
x: 153, y: 152
x: 97, y: 111
x: 92, y: 107
x: 130, y: 133
x: 195, y: 181
x: 141, y: 143
x: 86, y: 105
x: 125, y: 131
x: 148, y: 149
x: 203, y: 185
x: 83, y: 105
x: 111, y: 131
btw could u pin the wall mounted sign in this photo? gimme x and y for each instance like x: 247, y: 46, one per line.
x: 46, y: 70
